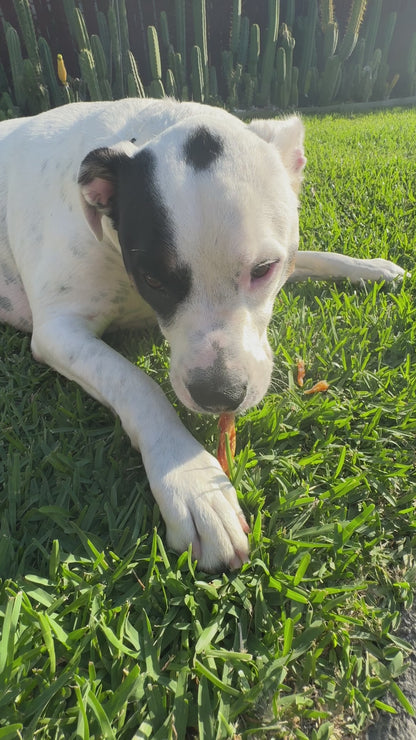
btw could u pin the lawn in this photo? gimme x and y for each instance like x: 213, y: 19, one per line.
x: 106, y: 634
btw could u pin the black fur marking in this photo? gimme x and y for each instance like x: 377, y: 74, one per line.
x: 144, y: 227
x: 202, y: 148
x: 147, y: 237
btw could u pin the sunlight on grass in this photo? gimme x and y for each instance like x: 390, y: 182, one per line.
x: 106, y: 634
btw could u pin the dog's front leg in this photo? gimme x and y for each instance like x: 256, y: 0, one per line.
x: 334, y: 266
x: 197, y: 502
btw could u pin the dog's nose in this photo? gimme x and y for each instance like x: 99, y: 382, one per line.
x: 217, y: 396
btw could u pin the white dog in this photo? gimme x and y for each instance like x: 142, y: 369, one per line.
x: 116, y: 213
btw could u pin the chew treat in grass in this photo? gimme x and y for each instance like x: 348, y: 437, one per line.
x: 301, y: 372
x: 319, y: 387
x: 226, y: 425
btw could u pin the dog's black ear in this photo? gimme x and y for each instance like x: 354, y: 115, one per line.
x: 97, y: 179
x: 287, y: 136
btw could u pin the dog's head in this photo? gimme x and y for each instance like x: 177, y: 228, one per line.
x: 206, y: 216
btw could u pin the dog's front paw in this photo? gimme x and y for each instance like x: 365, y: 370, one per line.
x: 200, y: 506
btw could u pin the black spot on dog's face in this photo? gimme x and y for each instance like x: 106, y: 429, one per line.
x: 202, y: 148
x: 147, y: 237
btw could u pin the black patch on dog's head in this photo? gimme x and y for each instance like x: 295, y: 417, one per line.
x: 202, y: 148
x: 147, y: 236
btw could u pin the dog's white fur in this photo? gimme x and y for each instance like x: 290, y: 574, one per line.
x: 62, y: 277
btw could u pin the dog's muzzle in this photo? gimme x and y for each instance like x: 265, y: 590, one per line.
x: 215, y: 393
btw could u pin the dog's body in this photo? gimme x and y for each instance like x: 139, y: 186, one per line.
x: 117, y: 214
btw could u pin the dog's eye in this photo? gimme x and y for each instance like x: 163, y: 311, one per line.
x: 153, y: 282
x: 260, y: 271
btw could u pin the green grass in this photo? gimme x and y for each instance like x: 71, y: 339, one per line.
x: 105, y: 634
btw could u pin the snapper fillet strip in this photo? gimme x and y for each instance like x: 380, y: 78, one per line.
x: 226, y: 425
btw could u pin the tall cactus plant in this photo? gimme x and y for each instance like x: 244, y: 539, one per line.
x: 199, y: 14
x: 269, y: 53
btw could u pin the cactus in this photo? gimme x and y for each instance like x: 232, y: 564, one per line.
x: 118, y: 83
x: 213, y: 85
x: 37, y: 95
x: 290, y: 14
x: 156, y: 89
x: 411, y: 67
x: 330, y: 81
x: 294, y: 97
x: 170, y: 85
x: 100, y: 66
x: 16, y: 65
x: 283, y: 85
x: 80, y: 30
x: 371, y: 28
x: 134, y: 83
x: 235, y: 27
x: 200, y: 33
x: 227, y: 70
x: 388, y: 35
x: 286, y: 41
x: 175, y: 63
x: 89, y: 73
x: 164, y: 30
x: 49, y: 73
x: 104, y: 35
x: 330, y: 39
x: 123, y: 33
x: 181, y: 32
x: 244, y: 39
x: 197, y: 75
x: 269, y: 52
x: 308, y: 47
x: 248, y: 90
x: 254, y: 50
x: 350, y: 38
x: 326, y: 13
x: 7, y: 107
x: 154, y: 53
x: 27, y: 28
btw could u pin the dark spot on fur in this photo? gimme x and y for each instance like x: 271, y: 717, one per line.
x: 147, y: 237
x: 133, y: 140
x: 6, y: 304
x: 202, y: 148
